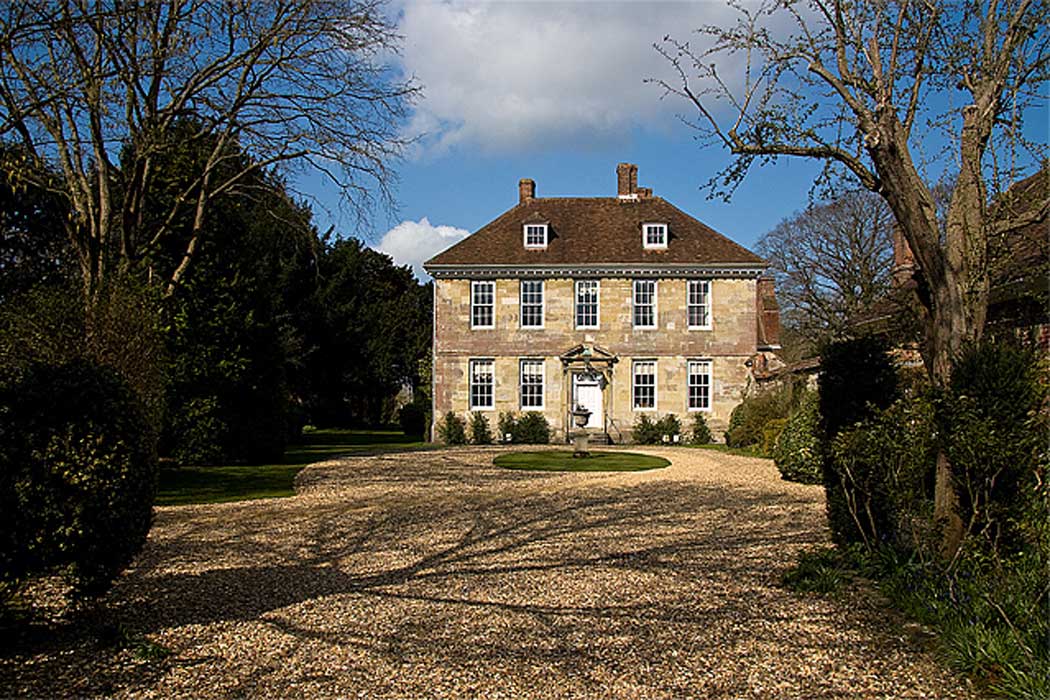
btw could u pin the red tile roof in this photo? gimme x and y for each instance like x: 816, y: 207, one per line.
x: 595, y: 230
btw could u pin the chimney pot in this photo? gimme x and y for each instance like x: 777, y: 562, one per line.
x: 903, y: 259
x: 526, y: 190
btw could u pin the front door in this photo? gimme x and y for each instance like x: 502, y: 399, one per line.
x: 587, y: 392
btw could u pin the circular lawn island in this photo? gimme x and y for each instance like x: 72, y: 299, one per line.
x: 564, y: 461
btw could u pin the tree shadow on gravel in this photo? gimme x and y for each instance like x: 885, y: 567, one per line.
x: 465, y: 559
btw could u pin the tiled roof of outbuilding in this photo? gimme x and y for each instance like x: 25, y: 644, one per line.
x: 595, y: 230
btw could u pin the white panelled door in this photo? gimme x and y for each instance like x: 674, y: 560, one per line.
x: 587, y: 392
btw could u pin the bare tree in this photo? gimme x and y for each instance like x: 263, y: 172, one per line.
x: 97, y: 88
x: 870, y: 87
x: 832, y: 262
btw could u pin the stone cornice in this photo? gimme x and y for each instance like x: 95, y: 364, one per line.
x: 676, y: 270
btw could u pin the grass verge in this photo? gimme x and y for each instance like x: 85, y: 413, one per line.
x: 239, y: 482
x: 563, y: 461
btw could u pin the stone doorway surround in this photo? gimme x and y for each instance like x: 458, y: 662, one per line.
x: 592, y: 361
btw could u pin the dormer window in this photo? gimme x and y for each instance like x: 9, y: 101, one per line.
x: 654, y: 236
x: 535, y: 235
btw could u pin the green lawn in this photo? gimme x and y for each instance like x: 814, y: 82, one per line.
x: 222, y: 483
x: 563, y: 461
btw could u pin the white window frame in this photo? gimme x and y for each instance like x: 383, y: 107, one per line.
x: 471, y: 363
x: 634, y: 385
x: 597, y: 304
x: 634, y: 305
x: 708, y: 365
x: 521, y: 304
x: 689, y: 304
x: 521, y: 383
x: 525, y: 236
x: 660, y: 228
x: 474, y: 284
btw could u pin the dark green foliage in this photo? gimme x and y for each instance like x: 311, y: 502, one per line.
x: 797, y: 453
x: 855, y: 375
x: 669, y: 426
x: 749, y: 418
x: 507, y: 425
x: 770, y: 434
x: 452, y: 430
x: 989, y: 601
x: 367, y: 327
x: 884, y: 468
x: 34, y: 250
x: 480, y: 433
x: 701, y: 432
x: 992, y: 427
x: 412, y: 418
x: 645, y: 431
x: 532, y: 429
x: 856, y: 379
x: 77, y: 474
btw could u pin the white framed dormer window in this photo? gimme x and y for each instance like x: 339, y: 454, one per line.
x: 699, y: 383
x: 482, y: 384
x: 587, y: 293
x: 698, y: 305
x: 643, y: 385
x: 482, y: 304
x: 535, y: 235
x: 532, y: 376
x: 532, y: 303
x: 644, y: 303
x: 654, y: 236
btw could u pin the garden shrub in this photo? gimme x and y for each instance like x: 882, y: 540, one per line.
x: 885, y: 468
x: 701, y: 431
x: 667, y: 427
x: 480, y: 434
x: 749, y: 418
x: 797, y: 452
x: 452, y: 430
x: 78, y: 475
x: 770, y: 434
x: 993, y: 431
x: 645, y: 431
x: 412, y: 417
x: 507, y: 425
x: 856, y: 379
x: 199, y: 428
x: 532, y: 429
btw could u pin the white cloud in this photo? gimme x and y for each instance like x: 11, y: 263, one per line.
x: 415, y: 242
x: 514, y: 76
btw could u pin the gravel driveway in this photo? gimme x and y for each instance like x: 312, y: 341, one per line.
x: 435, y: 574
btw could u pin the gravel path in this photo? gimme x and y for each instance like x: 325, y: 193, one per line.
x: 434, y: 574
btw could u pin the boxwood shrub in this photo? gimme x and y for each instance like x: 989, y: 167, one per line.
x: 78, y: 473
x: 797, y: 452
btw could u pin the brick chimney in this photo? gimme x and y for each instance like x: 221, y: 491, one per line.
x: 768, y: 314
x: 627, y: 180
x: 904, y: 267
x: 526, y: 190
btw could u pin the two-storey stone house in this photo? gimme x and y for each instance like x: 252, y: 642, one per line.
x: 622, y: 305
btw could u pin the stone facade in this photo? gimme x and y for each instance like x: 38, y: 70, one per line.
x: 729, y: 345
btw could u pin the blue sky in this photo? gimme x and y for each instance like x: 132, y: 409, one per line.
x: 555, y: 92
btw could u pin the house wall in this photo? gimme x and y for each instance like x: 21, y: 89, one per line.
x: 729, y: 344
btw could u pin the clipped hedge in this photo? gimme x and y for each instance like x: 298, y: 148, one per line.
x: 78, y: 472
x: 857, y: 379
x: 797, y: 452
x: 748, y: 419
x: 532, y: 429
